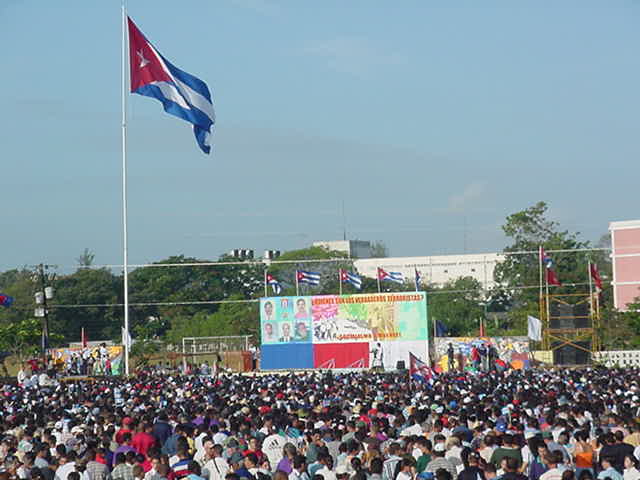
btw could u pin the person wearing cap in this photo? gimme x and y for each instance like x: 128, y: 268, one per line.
x: 439, y: 461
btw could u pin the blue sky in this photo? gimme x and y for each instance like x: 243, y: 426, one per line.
x: 420, y: 116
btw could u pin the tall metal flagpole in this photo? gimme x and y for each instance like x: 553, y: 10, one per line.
x: 378, y: 278
x: 266, y: 294
x: 591, y: 305
x: 340, y: 279
x: 297, y: 285
x: 124, y: 191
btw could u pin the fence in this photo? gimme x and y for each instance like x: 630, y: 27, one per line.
x: 209, y: 345
x: 618, y: 358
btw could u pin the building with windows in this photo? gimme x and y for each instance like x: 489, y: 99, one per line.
x: 625, y: 257
x: 436, y: 269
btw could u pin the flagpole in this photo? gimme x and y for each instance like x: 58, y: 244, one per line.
x: 266, y: 293
x: 540, y: 267
x: 340, y: 279
x: 124, y: 189
x: 378, y: 278
x: 590, y: 290
x: 546, y: 282
x: 297, y: 285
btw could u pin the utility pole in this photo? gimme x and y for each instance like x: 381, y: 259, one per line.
x: 45, y: 292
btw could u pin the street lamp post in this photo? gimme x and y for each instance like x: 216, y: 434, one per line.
x: 45, y: 293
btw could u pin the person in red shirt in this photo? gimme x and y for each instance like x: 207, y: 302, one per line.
x: 144, y: 439
x: 126, y: 428
x: 254, y: 447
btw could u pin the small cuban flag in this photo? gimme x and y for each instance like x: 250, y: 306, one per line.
x: 310, y: 278
x: 275, y: 284
x: 351, y: 278
x: 395, y: 277
x: 5, y: 300
x: 418, y: 280
x: 181, y: 94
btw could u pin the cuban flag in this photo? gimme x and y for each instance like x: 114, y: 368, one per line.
x: 5, y: 300
x: 180, y: 93
x: 275, y: 284
x: 310, y: 278
x: 395, y: 277
x: 547, y: 261
x: 418, y: 279
x: 419, y: 370
x: 351, y: 278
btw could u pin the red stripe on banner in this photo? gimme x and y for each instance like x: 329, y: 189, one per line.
x: 341, y: 355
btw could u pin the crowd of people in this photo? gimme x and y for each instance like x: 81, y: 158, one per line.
x: 538, y: 424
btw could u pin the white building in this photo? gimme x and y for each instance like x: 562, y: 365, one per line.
x: 436, y: 269
x: 353, y: 248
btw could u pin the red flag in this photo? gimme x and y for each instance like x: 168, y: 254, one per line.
x: 595, y: 276
x: 482, y: 327
x: 552, y: 278
x: 84, y: 338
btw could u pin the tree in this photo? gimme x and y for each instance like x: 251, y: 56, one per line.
x: 517, y: 276
x: 86, y: 258
x: 230, y: 319
x: 299, y: 260
x: 88, y: 287
x: 458, y: 305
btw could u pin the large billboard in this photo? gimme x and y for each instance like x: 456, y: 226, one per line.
x: 343, y: 331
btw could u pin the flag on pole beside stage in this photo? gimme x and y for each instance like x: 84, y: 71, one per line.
x: 418, y: 278
x: 595, y: 276
x: 547, y: 262
x: 83, y: 338
x: 310, y: 278
x: 534, y: 329
x: 350, y: 278
x: 395, y: 277
x: 126, y: 338
x: 180, y: 93
x: 275, y: 284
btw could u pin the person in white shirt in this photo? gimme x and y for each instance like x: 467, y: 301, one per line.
x: 299, y: 471
x: 216, y: 468
x: 631, y: 468
x: 406, y: 469
x: 69, y: 466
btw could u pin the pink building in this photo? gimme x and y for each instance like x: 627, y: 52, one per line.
x: 625, y: 255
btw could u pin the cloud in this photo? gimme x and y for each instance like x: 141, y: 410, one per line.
x: 471, y: 193
x: 354, y: 55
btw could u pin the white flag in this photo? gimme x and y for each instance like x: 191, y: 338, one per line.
x: 534, y: 328
x: 126, y: 338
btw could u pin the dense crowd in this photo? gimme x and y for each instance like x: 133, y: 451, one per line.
x: 513, y: 425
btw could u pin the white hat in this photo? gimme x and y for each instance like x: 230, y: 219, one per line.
x: 439, y: 447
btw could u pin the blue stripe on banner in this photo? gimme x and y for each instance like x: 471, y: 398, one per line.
x: 193, y: 115
x: 286, y: 356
